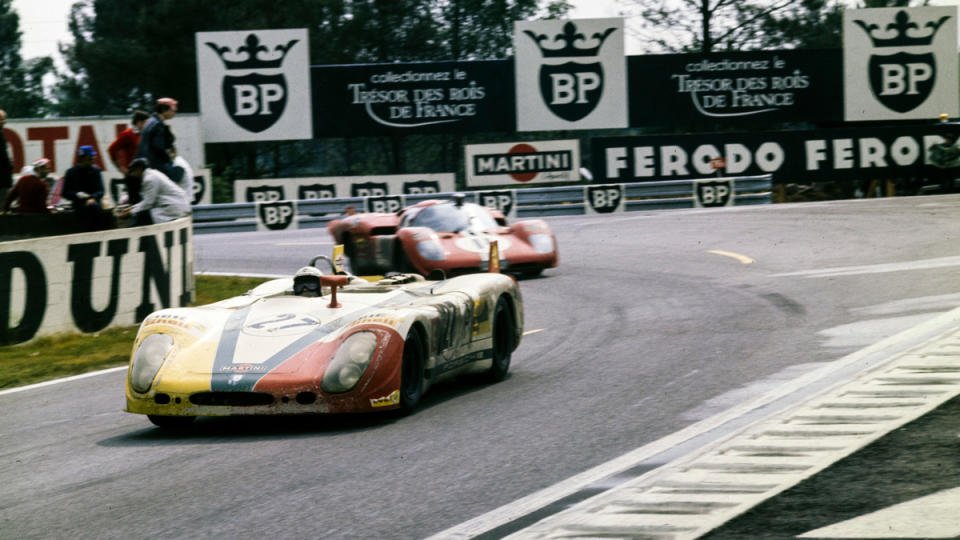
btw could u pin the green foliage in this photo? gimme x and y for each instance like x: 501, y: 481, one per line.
x: 21, y: 82
x: 732, y: 25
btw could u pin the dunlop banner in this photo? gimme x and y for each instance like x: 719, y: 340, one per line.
x: 790, y: 156
x: 403, y: 98
x: 736, y: 87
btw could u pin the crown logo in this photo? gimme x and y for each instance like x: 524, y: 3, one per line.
x: 570, y: 36
x: 901, y: 24
x: 253, y: 48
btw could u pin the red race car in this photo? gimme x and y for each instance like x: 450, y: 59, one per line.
x: 449, y: 235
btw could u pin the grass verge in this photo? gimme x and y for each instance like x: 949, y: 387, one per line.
x: 63, y: 355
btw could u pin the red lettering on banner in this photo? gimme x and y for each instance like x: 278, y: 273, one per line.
x: 48, y: 135
x: 88, y: 137
x: 16, y: 149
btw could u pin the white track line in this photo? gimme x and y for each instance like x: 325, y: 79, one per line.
x: 58, y: 381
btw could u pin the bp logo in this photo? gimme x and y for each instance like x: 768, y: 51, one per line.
x: 264, y: 193
x: 711, y: 193
x: 571, y: 90
x: 316, y: 191
x: 604, y: 199
x: 256, y: 99
x: 276, y: 216
x: 902, y: 81
x: 420, y: 187
x: 503, y: 201
x: 369, y: 189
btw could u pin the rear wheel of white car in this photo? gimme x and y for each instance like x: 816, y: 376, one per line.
x: 411, y: 373
x: 504, y: 336
x: 171, y: 422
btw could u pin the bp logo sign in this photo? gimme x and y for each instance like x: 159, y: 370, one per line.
x: 571, y: 90
x: 276, y: 216
x: 571, y: 76
x: 902, y: 81
x: 255, y: 100
x: 901, y: 63
x: 710, y: 193
x: 604, y: 199
x: 254, y: 85
x: 264, y: 194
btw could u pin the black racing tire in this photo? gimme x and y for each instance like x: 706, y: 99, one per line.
x: 171, y: 422
x: 411, y: 372
x: 532, y: 273
x: 504, y: 341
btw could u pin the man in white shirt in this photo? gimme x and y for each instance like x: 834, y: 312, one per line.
x: 163, y: 199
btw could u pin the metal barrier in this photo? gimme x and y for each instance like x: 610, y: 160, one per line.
x: 529, y: 202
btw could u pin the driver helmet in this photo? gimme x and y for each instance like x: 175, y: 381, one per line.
x: 307, y: 282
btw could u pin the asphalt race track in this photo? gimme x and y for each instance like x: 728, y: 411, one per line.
x: 652, y: 322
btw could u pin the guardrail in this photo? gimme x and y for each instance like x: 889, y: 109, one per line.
x: 527, y: 202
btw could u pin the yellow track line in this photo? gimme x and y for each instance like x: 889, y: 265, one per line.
x: 742, y: 258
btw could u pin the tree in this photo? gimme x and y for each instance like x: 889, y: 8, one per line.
x: 731, y: 25
x: 21, y: 83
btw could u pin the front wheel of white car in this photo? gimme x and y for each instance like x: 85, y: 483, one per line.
x: 504, y: 336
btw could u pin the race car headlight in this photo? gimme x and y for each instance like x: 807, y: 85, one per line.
x: 542, y: 243
x: 431, y: 250
x: 147, y: 360
x: 349, y: 363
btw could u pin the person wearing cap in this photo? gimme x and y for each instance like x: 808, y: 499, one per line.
x: 156, y: 139
x: 31, y: 189
x: 6, y: 166
x: 83, y: 187
x: 124, y: 148
x: 161, y: 199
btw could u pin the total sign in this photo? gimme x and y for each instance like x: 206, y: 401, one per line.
x: 535, y: 162
x: 900, y: 64
x: 254, y: 85
x: 570, y: 74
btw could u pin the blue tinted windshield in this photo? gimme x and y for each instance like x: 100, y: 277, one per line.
x: 448, y: 217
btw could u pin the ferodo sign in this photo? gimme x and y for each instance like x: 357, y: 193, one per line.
x: 330, y: 187
x: 836, y: 154
x: 533, y: 162
x: 88, y: 282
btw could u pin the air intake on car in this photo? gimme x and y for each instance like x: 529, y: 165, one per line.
x: 231, y: 399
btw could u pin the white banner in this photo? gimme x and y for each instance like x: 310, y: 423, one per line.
x: 530, y: 162
x: 329, y: 187
x: 570, y: 74
x: 255, y: 85
x: 91, y: 281
x: 900, y: 64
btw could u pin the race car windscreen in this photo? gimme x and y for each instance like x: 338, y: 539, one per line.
x: 452, y: 218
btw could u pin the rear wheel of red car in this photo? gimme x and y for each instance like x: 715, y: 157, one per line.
x: 411, y: 374
x: 504, y: 336
x: 401, y: 263
x: 350, y: 250
x: 171, y: 422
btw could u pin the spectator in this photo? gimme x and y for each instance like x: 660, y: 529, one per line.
x: 6, y: 166
x: 183, y: 176
x: 83, y: 187
x: 156, y: 140
x: 124, y: 148
x: 162, y: 199
x: 945, y: 160
x: 31, y: 189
